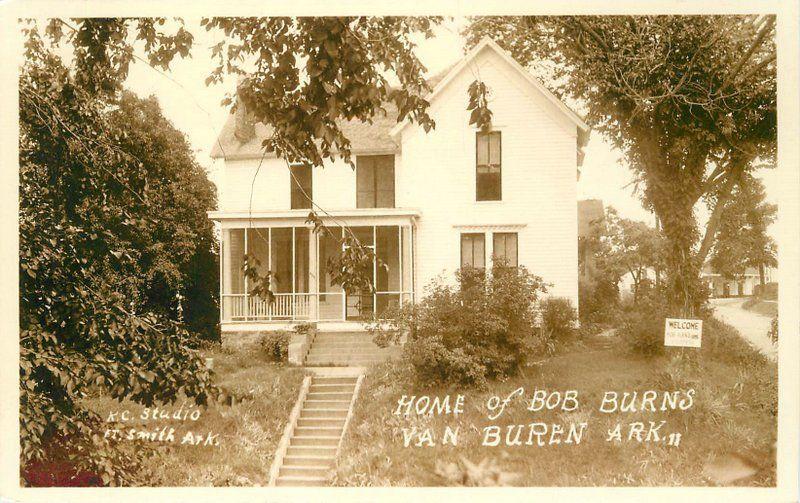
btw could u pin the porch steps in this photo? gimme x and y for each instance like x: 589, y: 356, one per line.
x: 310, y: 456
x: 331, y: 349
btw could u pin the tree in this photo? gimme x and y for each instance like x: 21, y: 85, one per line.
x: 91, y: 221
x: 631, y: 247
x: 98, y: 202
x: 742, y: 240
x: 690, y: 100
x: 177, y: 252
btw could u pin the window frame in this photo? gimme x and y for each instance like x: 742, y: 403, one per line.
x: 478, y: 165
x: 295, y: 188
x: 461, y: 249
x: 505, y: 236
x: 373, y: 163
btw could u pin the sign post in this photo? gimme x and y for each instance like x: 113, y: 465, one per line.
x: 683, y: 333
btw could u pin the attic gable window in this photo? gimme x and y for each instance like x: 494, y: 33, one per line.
x: 301, y: 187
x: 375, y: 181
x: 488, y: 150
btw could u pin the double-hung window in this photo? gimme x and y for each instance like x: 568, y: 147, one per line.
x: 504, y: 249
x: 473, y: 248
x: 301, y: 186
x: 375, y: 181
x: 488, y: 183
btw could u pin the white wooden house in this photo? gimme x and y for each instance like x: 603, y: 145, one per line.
x: 427, y: 203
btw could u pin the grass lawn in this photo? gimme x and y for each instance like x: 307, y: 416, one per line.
x: 733, y: 413
x: 248, y: 431
x: 767, y: 308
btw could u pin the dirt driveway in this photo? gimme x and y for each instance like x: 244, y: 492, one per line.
x: 754, y: 327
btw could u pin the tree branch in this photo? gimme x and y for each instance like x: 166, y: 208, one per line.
x: 762, y: 34
x: 716, y: 214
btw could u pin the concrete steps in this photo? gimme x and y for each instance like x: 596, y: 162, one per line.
x: 311, y: 454
x: 350, y: 349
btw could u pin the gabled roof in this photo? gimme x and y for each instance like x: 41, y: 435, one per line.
x: 489, y: 44
x: 379, y: 137
x: 364, y: 137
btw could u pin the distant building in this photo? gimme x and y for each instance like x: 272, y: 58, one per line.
x: 743, y: 286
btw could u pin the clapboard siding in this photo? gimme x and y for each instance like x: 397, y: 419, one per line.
x: 436, y: 175
x: 538, y: 178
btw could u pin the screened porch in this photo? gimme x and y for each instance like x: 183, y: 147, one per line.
x: 301, y: 284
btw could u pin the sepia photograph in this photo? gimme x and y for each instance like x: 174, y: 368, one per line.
x: 366, y: 250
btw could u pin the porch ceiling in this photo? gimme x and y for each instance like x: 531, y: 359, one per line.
x: 288, y: 218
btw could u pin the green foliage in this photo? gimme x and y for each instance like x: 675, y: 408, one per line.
x: 480, y: 116
x: 642, y: 328
x: 690, y: 100
x: 275, y: 345
x: 630, y: 247
x: 773, y: 330
x: 598, y: 299
x: 558, y: 318
x: 106, y: 235
x: 768, y: 291
x: 304, y: 75
x: 742, y: 239
x: 480, y: 330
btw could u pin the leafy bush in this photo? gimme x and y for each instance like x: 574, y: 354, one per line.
x: 480, y: 329
x: 275, y: 345
x: 767, y: 292
x: 642, y: 328
x: 558, y: 318
x: 599, y: 301
x: 304, y: 328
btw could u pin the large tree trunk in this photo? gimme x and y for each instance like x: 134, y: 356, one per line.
x: 761, y: 277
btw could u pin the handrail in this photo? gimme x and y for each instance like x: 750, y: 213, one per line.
x: 288, y: 431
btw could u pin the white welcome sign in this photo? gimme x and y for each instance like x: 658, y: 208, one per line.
x: 683, y: 333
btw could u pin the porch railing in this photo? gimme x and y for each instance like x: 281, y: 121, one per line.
x: 302, y: 306
x: 285, y: 306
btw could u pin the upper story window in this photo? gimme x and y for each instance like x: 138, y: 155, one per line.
x: 487, y: 155
x: 375, y: 181
x: 301, y: 187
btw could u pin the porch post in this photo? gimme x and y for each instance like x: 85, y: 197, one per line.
x: 225, y: 273
x: 313, y: 274
x: 246, y: 292
x: 269, y: 267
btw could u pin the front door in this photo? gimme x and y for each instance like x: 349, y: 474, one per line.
x: 360, y: 307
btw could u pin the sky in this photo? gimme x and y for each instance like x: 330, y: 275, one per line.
x: 195, y: 109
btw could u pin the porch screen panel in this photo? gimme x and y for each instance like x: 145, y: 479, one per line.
x: 329, y: 248
x: 234, y: 272
x: 258, y: 250
x: 301, y: 244
x: 281, y: 252
x: 408, y: 266
x: 388, y: 252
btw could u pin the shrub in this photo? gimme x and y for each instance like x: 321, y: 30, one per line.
x: 767, y: 292
x: 275, y: 345
x: 558, y: 318
x: 642, y: 328
x: 480, y: 329
x: 599, y: 301
x: 304, y: 328
x: 773, y: 330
